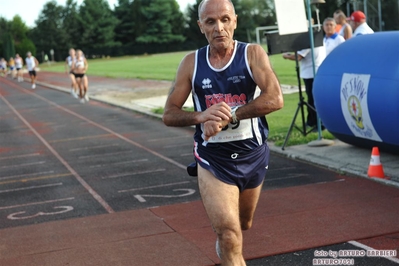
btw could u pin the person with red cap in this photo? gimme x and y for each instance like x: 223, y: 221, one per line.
x: 358, y: 23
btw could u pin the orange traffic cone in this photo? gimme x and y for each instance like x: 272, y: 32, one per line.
x: 375, y: 167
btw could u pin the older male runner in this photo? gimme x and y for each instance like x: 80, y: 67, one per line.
x: 231, y: 130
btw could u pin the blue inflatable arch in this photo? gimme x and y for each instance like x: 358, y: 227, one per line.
x: 356, y: 91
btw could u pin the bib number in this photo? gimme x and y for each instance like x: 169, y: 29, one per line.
x: 233, y: 132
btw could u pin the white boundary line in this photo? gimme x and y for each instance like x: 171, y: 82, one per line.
x: 59, y: 157
x: 360, y: 245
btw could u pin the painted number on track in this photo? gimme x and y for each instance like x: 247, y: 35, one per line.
x: 17, y: 215
x: 188, y: 193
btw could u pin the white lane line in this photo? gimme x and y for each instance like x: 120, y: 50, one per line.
x: 94, y: 147
x: 282, y: 168
x: 288, y: 177
x: 360, y: 245
x: 22, y: 164
x: 170, y: 138
x: 25, y: 175
x: 108, y: 130
x: 65, y: 163
x: 103, y: 154
x: 19, y: 156
x: 150, y: 187
x: 31, y: 187
x: 35, y: 203
x: 177, y: 145
x: 134, y: 173
x: 118, y: 163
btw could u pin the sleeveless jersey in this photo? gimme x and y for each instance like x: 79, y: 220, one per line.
x: 234, y: 85
x: 18, y: 62
x: 70, y: 61
x: 80, y: 63
x: 30, y: 63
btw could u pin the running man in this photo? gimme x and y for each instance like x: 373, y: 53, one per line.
x: 79, y: 68
x: 31, y: 64
x: 68, y: 68
x: 230, y: 142
x: 18, y: 65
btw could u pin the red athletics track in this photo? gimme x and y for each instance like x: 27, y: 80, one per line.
x: 288, y: 221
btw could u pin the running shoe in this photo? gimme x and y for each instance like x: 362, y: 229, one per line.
x: 33, y: 86
x: 87, y: 97
x: 82, y: 100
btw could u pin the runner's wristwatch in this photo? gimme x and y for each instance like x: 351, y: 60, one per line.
x: 233, y: 115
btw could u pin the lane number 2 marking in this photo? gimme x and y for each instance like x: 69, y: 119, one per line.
x: 188, y: 193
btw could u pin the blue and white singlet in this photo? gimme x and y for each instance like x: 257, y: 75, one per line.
x: 234, y: 85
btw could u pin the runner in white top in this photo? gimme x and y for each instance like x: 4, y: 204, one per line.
x: 3, y: 67
x: 68, y: 68
x: 79, y: 68
x: 31, y: 63
x: 18, y: 65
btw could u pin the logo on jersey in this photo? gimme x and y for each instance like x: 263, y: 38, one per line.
x: 234, y: 156
x: 236, y: 79
x: 231, y: 99
x: 206, y: 84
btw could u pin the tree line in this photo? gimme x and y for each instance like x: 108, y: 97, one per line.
x: 133, y: 27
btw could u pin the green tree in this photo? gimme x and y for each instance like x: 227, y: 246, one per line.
x: 49, y: 33
x: 161, y: 17
x: 253, y: 14
x: 26, y: 45
x: 18, y: 29
x: 8, y: 46
x: 195, y: 38
x: 97, y: 24
x: 70, y: 23
x: 125, y: 28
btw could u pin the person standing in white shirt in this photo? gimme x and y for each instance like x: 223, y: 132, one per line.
x: 358, y: 23
x: 31, y: 64
x: 331, y: 38
x: 306, y: 73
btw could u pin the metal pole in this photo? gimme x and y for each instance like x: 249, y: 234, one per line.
x: 313, y: 60
x: 379, y: 15
x: 320, y: 141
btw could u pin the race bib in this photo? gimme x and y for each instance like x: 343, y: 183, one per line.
x: 233, y: 132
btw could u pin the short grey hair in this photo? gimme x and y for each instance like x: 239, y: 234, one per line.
x: 329, y: 19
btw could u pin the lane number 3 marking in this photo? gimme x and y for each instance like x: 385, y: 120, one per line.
x: 17, y: 215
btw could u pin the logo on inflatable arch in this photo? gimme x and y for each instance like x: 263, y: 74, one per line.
x: 354, y: 106
x: 355, y: 110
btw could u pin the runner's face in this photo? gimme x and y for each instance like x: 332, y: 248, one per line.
x: 218, y: 22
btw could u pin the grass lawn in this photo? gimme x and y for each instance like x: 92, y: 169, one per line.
x: 164, y: 66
